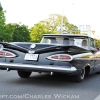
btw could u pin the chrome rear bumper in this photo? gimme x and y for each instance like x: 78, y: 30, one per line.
x: 18, y: 66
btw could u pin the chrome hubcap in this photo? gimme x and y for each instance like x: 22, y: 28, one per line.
x: 82, y: 73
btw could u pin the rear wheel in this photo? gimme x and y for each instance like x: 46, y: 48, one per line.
x: 79, y: 77
x: 24, y: 74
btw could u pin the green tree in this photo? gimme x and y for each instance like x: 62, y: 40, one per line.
x: 51, y: 25
x: 97, y: 42
x: 21, y: 33
x: 56, y: 22
x: 37, y: 31
x: 8, y: 32
x: 2, y: 23
x: 72, y: 29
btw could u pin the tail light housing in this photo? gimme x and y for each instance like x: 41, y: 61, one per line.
x: 60, y: 57
x: 7, y: 54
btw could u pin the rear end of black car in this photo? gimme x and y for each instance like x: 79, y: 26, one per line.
x: 46, y: 59
x: 47, y: 56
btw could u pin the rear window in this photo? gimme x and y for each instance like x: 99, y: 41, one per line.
x: 77, y: 41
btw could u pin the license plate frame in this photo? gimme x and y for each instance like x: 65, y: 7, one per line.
x: 29, y: 56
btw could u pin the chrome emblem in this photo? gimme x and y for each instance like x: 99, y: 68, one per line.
x: 32, y: 46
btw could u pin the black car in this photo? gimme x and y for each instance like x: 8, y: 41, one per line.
x: 56, y: 53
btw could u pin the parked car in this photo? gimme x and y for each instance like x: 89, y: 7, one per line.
x: 56, y: 53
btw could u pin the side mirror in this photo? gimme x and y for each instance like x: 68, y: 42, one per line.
x: 1, y: 47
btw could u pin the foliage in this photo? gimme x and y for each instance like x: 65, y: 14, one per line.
x: 51, y: 25
x: 12, y: 32
x: 55, y: 21
x: 37, y: 31
x: 8, y: 33
x: 2, y: 23
x: 97, y: 42
x: 21, y: 33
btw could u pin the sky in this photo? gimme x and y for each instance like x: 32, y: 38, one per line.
x: 30, y: 12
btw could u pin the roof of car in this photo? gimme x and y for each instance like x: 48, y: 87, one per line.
x: 65, y: 35
x: 78, y: 35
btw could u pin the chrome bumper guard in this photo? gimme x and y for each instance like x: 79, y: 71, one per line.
x: 18, y: 66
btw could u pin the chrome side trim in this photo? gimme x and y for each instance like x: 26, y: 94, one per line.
x: 38, y: 67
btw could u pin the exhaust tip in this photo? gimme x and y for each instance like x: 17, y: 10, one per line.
x: 8, y: 69
x: 51, y: 73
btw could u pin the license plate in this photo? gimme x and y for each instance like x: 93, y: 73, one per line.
x: 31, y: 56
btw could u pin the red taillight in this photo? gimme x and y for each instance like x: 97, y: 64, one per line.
x: 65, y: 57
x: 7, y: 54
x: 54, y: 57
x: 2, y: 53
x: 60, y: 57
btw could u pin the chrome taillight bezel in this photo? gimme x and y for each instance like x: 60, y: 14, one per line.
x: 7, y: 54
x: 51, y: 57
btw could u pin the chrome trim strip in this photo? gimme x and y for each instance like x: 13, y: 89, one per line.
x: 38, y: 67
